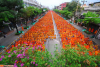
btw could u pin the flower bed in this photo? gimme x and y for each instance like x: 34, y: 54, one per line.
x: 35, y: 37
x: 72, y: 36
x: 38, y: 34
x: 29, y: 51
x: 69, y: 34
x: 30, y: 56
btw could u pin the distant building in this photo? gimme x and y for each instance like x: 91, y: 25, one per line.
x: 93, y: 7
x: 61, y: 6
x: 31, y: 3
x: 95, y: 4
x: 84, y: 6
x: 56, y: 7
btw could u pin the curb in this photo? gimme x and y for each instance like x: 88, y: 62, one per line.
x: 6, y: 48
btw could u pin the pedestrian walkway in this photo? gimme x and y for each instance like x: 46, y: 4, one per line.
x: 95, y: 41
x: 54, y: 44
x: 11, y: 37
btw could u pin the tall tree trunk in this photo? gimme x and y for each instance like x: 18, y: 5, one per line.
x: 32, y: 19
x: 16, y: 27
x: 26, y: 21
x: 9, y: 27
x: 14, y: 22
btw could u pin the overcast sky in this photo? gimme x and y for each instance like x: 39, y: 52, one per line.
x: 52, y: 3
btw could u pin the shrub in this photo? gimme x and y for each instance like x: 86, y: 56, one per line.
x: 36, y: 56
x: 26, y: 27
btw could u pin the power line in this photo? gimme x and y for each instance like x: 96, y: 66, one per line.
x: 83, y: 1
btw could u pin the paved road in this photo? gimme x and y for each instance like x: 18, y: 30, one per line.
x: 11, y: 38
x: 51, y: 46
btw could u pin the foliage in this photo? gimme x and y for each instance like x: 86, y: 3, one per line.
x: 35, y: 56
x: 87, y: 32
x: 45, y: 9
x: 56, y: 10
x: 72, y: 6
x: 38, y: 11
x: 26, y: 27
x: 76, y: 57
x: 17, y: 33
x: 98, y: 12
x: 69, y: 10
x: 65, y: 13
x: 9, y: 10
x: 27, y: 12
x: 31, y: 52
x: 30, y: 12
x: 92, y: 18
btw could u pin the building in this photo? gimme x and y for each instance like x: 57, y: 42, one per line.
x: 56, y: 7
x: 93, y: 7
x: 31, y: 3
x: 84, y: 6
x: 61, y: 6
x: 95, y: 4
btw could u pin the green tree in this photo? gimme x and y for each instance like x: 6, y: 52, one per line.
x: 4, y: 14
x: 72, y: 6
x: 9, y: 10
x: 37, y: 11
x: 44, y: 9
x: 27, y: 13
x: 91, y: 17
x: 69, y: 10
x: 30, y: 12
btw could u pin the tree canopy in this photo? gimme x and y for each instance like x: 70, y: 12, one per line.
x: 93, y: 18
x: 69, y: 10
x: 9, y: 8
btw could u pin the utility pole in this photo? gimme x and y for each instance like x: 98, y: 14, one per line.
x: 77, y: 8
x: 83, y: 1
x: 82, y: 5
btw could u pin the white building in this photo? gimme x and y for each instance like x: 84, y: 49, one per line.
x: 59, y: 8
x: 31, y: 3
x: 94, y: 8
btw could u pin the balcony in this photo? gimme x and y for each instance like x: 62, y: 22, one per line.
x: 92, y: 8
